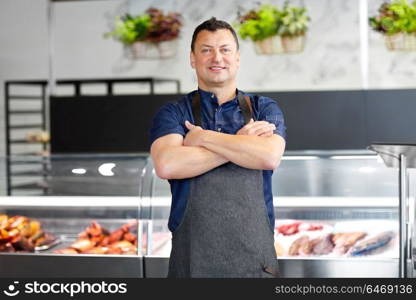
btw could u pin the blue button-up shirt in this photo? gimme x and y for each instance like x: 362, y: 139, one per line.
x: 225, y: 118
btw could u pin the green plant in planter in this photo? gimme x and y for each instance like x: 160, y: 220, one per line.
x: 259, y: 24
x: 399, y: 16
x: 152, y: 26
x: 275, y: 30
x: 293, y: 21
x: 129, y: 29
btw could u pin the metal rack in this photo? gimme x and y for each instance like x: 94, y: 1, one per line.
x: 12, y: 158
x: 39, y: 164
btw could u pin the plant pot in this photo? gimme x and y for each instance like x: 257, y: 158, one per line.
x: 167, y: 49
x: 153, y: 50
x: 293, y: 44
x: 280, y: 45
x: 401, y: 42
x: 269, y: 46
x: 138, y: 50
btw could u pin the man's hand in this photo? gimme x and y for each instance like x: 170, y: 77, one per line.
x: 193, y: 137
x: 257, y: 128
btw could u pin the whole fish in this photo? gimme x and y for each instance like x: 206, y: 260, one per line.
x: 366, y: 246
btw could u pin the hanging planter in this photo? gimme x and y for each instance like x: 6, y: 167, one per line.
x: 167, y: 49
x: 274, y: 30
x: 150, y: 35
x: 269, y: 46
x: 261, y: 27
x: 138, y: 49
x: 152, y: 50
x: 293, y: 44
x: 400, y: 42
x: 280, y: 45
x: 397, y: 22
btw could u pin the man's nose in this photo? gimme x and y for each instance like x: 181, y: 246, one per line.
x: 217, y: 56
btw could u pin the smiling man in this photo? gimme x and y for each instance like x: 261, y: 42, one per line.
x: 218, y: 147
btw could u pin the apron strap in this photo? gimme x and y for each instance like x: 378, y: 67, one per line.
x: 196, y: 109
x: 245, y: 106
x: 243, y: 101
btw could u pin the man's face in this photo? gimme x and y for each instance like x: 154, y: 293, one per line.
x: 215, y: 58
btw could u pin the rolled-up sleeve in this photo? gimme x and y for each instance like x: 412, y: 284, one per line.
x: 270, y: 111
x: 166, y: 121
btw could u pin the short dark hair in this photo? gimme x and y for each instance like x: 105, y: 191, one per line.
x: 213, y: 25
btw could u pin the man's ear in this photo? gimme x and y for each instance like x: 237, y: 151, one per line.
x: 192, y: 59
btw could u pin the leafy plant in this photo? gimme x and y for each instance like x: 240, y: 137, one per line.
x: 164, y: 27
x: 259, y: 24
x: 129, y: 29
x: 153, y: 26
x: 294, y: 20
x: 395, y: 17
x: 268, y: 20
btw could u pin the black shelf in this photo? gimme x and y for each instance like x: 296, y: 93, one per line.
x: 30, y: 173
x: 39, y: 154
x: 24, y: 142
x: 109, y: 82
x: 25, y: 97
x: 25, y: 112
x: 31, y: 186
x: 26, y: 126
x: 33, y: 162
x: 15, y: 126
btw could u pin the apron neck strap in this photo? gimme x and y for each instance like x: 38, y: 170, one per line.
x: 243, y: 101
x: 245, y: 106
x: 196, y: 109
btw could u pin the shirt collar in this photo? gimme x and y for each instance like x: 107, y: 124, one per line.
x: 208, y: 96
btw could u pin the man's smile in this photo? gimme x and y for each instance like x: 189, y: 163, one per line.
x: 216, y: 68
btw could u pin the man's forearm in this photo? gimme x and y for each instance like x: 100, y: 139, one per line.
x: 251, y: 152
x: 178, y: 162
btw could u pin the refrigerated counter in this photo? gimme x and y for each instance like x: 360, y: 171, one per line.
x: 73, y: 216
x: 346, y: 201
x: 80, y: 201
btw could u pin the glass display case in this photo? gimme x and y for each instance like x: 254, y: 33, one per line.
x: 106, y: 216
x: 336, y: 216
x: 74, y: 216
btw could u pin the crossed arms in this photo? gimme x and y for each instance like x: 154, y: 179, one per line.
x: 254, y: 147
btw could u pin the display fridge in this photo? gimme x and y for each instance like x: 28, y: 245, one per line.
x: 73, y: 216
x: 336, y: 216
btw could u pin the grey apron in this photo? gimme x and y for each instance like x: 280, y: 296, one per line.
x: 225, y: 230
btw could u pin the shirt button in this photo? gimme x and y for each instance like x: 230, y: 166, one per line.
x: 212, y: 95
x: 219, y: 129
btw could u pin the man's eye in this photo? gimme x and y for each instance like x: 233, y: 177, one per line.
x: 226, y: 50
x: 205, y: 50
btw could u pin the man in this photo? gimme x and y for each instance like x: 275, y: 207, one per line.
x: 218, y: 148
